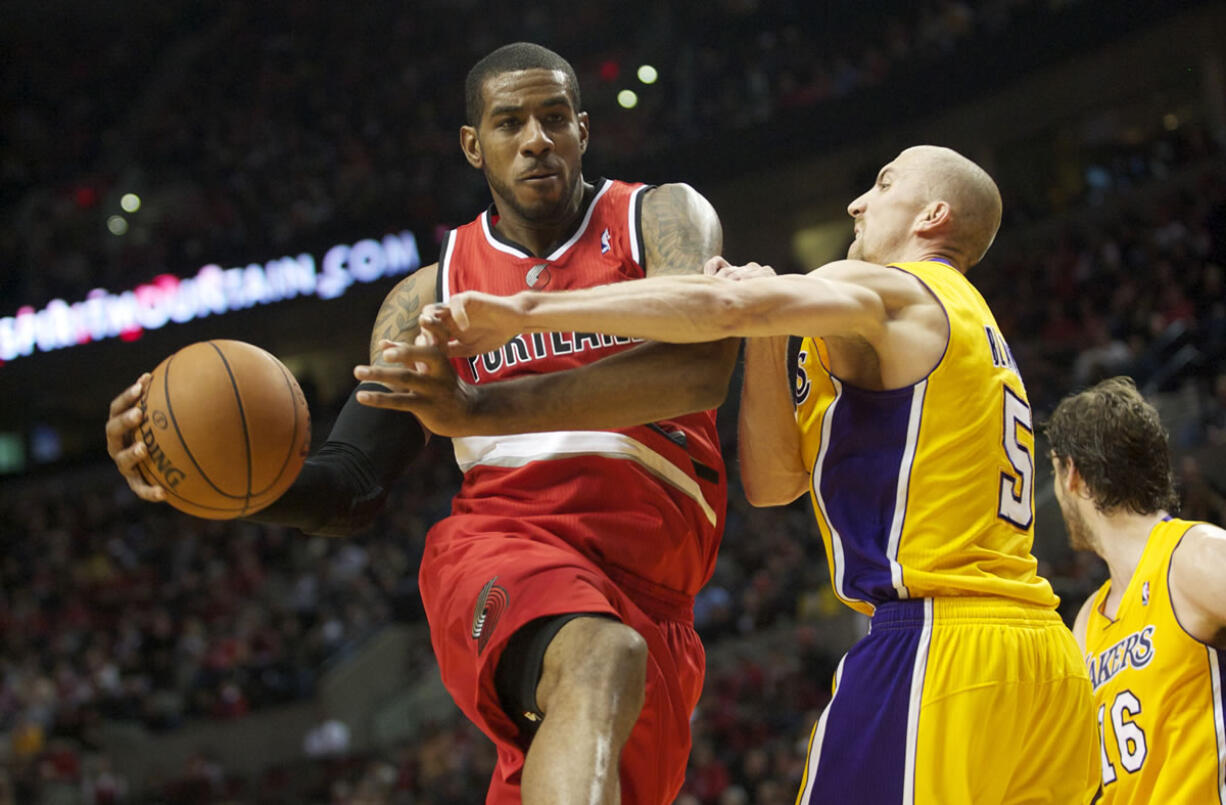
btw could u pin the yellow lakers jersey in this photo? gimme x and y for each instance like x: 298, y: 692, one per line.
x: 1158, y: 691
x: 926, y: 490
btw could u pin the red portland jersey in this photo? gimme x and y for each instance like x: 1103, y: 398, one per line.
x: 648, y: 500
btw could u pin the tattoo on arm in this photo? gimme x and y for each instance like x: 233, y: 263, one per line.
x: 397, y: 319
x: 680, y: 230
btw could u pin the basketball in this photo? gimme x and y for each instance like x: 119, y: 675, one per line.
x: 227, y: 429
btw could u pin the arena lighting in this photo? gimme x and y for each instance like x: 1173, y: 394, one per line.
x: 117, y: 224
x: 130, y: 202
x: 212, y: 291
x: 648, y: 74
x: 627, y: 99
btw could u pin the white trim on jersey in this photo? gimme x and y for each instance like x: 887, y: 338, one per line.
x: 524, y: 448
x: 591, y: 208
x: 518, y: 251
x: 904, y: 483
x: 1219, y: 721
x: 444, y: 266
x: 505, y: 248
x: 634, y: 226
x: 836, y: 541
x: 913, y: 711
x: 819, y: 735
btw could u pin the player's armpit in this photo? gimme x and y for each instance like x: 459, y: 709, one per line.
x: 1198, y: 594
x: 397, y: 317
x: 681, y: 230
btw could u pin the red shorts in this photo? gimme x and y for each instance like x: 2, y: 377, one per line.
x: 478, y: 589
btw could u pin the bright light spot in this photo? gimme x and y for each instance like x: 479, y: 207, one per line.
x: 130, y: 202
x: 648, y: 74
x: 628, y: 99
x: 1170, y: 121
x: 117, y: 224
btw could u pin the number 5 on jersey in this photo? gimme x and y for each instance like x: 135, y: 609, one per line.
x: 1016, y: 488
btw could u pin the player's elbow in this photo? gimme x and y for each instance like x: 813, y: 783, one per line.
x: 763, y: 493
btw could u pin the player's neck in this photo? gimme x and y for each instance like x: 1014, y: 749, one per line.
x: 542, y: 237
x: 919, y: 249
x: 935, y: 253
x: 1122, y: 538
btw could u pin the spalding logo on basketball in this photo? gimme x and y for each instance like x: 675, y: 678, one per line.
x: 227, y: 429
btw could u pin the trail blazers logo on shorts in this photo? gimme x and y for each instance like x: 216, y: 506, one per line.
x: 490, y: 605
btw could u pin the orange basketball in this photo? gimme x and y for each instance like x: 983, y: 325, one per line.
x: 227, y: 429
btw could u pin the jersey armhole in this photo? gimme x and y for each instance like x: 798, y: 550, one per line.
x: 442, y: 281
x: 638, y: 251
x: 949, y: 324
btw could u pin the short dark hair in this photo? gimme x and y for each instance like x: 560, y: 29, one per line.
x: 508, y: 59
x: 1116, y: 440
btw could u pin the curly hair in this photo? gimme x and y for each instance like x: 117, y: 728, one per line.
x: 1119, y: 446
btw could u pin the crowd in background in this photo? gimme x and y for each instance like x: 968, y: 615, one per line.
x: 293, y: 134
x: 102, y: 617
x: 260, y: 128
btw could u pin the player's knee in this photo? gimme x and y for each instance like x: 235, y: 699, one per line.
x: 621, y: 657
x: 597, y: 659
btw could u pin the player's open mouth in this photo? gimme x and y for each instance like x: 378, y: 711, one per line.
x: 539, y: 177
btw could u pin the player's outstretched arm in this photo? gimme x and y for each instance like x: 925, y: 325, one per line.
x: 1198, y: 583
x: 686, y: 309
x: 649, y: 382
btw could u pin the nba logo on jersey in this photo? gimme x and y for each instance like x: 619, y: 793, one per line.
x: 604, y: 241
x: 1145, y: 594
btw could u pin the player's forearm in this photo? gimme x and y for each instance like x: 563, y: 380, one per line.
x: 648, y: 383
x: 343, y: 484
x: 689, y: 309
x: 682, y: 309
x: 772, y: 471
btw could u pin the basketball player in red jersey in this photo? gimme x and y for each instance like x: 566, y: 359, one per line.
x: 560, y: 590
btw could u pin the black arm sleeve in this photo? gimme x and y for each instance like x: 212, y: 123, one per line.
x: 343, y: 485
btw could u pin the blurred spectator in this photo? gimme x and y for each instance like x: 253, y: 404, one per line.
x: 1201, y: 499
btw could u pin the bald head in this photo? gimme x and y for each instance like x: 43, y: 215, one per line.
x: 974, y: 199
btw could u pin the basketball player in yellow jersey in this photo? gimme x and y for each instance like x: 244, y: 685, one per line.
x: 1154, y: 636
x: 902, y: 413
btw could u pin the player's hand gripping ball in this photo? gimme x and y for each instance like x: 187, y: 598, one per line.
x: 227, y: 429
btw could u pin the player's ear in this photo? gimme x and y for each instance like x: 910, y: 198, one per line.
x: 1076, y: 483
x: 583, y: 131
x: 936, y: 216
x: 470, y: 144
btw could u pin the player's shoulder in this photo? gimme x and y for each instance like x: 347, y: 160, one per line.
x: 887, y: 281
x: 422, y: 278
x: 406, y: 299
x: 673, y: 194
x: 1202, y: 547
x: 1213, y: 535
